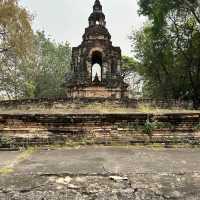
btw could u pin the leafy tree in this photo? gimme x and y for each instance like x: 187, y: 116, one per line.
x: 53, y: 60
x: 16, y: 39
x: 168, y: 49
x: 128, y: 64
x: 30, y: 65
x: 129, y: 72
x: 158, y: 10
x: 15, y: 28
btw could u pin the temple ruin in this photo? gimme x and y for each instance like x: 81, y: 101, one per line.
x: 96, y: 63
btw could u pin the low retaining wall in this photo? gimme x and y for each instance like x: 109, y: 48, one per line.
x: 30, y: 129
x: 50, y: 102
x: 132, y: 103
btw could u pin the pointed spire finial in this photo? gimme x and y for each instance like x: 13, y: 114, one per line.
x: 97, y: 2
x: 97, y: 6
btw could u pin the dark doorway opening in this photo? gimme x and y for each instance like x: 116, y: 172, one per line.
x: 97, y: 58
x: 96, y: 66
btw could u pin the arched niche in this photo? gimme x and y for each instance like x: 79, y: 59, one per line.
x: 96, y: 58
x: 96, y: 61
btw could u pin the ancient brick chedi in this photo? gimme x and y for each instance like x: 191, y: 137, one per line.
x: 95, y: 69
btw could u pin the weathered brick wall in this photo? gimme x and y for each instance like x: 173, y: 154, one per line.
x: 165, y: 103
x: 95, y: 92
x: 99, y: 128
x: 51, y: 102
x: 125, y: 102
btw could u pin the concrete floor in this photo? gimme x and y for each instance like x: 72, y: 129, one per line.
x: 142, y: 173
x: 123, y: 160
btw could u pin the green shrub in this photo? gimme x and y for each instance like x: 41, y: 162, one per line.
x: 7, y: 141
x: 197, y: 127
x: 149, y: 127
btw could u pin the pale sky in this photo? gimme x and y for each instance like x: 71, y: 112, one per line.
x: 65, y: 20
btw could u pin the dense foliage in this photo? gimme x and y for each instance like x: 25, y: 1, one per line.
x: 52, y: 61
x: 31, y: 65
x: 129, y: 70
x: 16, y: 40
x: 168, y: 49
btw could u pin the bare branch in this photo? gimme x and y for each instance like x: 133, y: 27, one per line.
x: 193, y: 9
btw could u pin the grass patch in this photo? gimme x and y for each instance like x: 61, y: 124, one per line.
x: 6, y: 170
x: 106, y: 107
x: 26, y: 154
x: 76, y: 107
x: 20, y: 158
x: 145, y: 108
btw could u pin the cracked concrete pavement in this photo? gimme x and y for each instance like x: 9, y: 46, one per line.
x: 103, y: 173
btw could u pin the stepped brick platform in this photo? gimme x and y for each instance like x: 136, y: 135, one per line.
x: 44, y: 129
x: 73, y: 102
x: 64, y: 101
